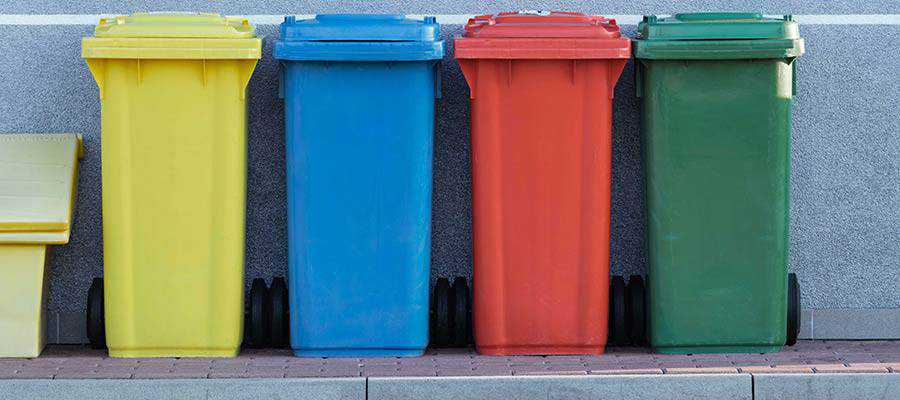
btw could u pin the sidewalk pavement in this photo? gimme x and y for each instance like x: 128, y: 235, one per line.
x: 811, y: 369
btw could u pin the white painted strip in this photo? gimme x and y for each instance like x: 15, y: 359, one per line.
x: 49, y: 19
x: 273, y: 19
x: 849, y: 19
x: 446, y: 19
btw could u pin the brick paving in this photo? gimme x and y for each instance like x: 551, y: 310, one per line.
x: 807, y: 357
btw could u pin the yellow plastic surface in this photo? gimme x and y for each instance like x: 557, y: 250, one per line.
x: 174, y: 25
x: 174, y: 188
x: 38, y: 174
x: 22, y: 294
x: 37, y: 186
x: 173, y: 36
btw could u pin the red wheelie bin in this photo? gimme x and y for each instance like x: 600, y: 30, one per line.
x: 541, y: 87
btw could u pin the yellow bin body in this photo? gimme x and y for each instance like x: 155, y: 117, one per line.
x: 38, y: 175
x: 174, y: 138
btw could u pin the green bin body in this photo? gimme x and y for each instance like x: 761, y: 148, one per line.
x: 717, y: 90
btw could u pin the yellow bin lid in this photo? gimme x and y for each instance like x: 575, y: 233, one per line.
x: 173, y: 36
x: 37, y: 186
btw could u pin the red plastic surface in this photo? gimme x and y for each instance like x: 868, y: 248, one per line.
x: 530, y: 35
x: 541, y: 160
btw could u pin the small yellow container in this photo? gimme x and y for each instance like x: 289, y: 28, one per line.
x: 174, y: 130
x: 38, y: 173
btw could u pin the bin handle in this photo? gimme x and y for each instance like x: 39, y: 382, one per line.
x: 98, y: 70
x: 793, y: 77
x: 438, y: 74
x: 281, y: 81
x: 638, y: 78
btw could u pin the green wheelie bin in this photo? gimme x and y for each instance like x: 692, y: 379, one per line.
x: 716, y: 90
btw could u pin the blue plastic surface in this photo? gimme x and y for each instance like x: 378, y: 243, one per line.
x: 359, y: 37
x: 359, y: 155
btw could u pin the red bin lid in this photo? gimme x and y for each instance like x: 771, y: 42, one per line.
x: 540, y: 35
x: 542, y: 24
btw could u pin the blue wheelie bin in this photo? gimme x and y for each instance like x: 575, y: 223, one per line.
x: 359, y: 93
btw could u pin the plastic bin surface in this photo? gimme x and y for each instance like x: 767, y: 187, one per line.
x: 541, y: 87
x: 174, y: 131
x: 359, y: 95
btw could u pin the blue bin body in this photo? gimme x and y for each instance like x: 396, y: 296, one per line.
x: 359, y: 118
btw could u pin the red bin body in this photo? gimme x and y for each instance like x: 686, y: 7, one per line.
x: 541, y: 88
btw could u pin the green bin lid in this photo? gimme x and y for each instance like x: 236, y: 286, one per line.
x: 718, y: 36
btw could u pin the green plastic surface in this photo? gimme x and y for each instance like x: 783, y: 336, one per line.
x: 717, y: 157
x: 717, y: 36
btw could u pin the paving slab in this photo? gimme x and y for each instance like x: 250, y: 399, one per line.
x: 621, y: 373
x: 620, y: 387
x: 208, y: 389
x: 836, y: 386
x: 807, y: 357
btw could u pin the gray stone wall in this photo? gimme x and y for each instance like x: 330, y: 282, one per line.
x: 845, y: 186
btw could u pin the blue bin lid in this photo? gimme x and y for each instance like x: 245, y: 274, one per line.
x: 359, y: 37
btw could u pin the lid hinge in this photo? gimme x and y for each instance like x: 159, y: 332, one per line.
x: 793, y: 76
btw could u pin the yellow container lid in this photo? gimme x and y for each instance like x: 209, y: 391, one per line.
x: 37, y: 186
x: 173, y: 36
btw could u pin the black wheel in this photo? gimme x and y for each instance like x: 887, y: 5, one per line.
x: 257, y: 334
x: 440, y: 313
x: 636, y: 310
x: 278, y: 313
x: 793, y: 310
x: 96, y: 329
x: 617, y: 324
x: 461, y: 311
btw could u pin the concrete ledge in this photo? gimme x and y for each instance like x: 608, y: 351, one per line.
x: 622, y: 387
x: 200, y: 389
x: 843, y: 323
x: 826, y: 386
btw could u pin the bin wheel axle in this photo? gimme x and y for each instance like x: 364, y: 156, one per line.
x: 628, y: 316
x: 451, y: 313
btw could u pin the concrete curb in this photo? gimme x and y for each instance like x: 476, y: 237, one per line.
x: 187, y: 389
x: 622, y: 387
x: 826, y: 386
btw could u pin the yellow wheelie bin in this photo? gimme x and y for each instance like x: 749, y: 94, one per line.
x: 38, y: 175
x: 174, y: 144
